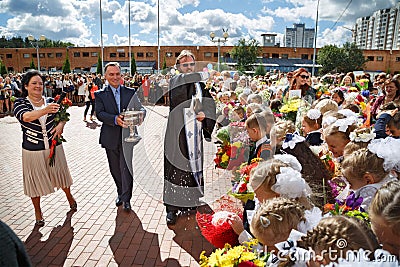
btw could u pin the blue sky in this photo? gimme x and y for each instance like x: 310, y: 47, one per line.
x: 182, y: 22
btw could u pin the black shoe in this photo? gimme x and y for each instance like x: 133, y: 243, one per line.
x: 127, y: 206
x: 118, y: 202
x: 74, y: 206
x: 171, y: 217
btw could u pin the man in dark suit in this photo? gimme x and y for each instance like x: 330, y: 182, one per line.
x: 110, y: 102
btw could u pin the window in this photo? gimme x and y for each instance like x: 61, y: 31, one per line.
x: 275, y: 55
x: 177, y: 54
x: 397, y: 59
x: 77, y: 54
x: 168, y: 54
x: 265, y: 55
x: 207, y: 54
x: 50, y: 55
x: 139, y: 54
x: 94, y: 54
x: 370, y: 58
x: 121, y: 54
x: 379, y: 58
x: 58, y: 55
x: 34, y: 55
x: 41, y: 55
x: 85, y: 54
x: 149, y: 54
x: 8, y: 55
x: 304, y: 56
x: 285, y: 56
x: 26, y: 56
x: 113, y: 54
x: 215, y: 54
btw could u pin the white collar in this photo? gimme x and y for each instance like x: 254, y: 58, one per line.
x: 316, y: 131
x: 262, y: 140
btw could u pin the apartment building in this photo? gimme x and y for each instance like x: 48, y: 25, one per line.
x: 380, y: 31
x: 299, y: 36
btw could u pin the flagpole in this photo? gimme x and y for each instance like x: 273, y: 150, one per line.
x: 129, y: 37
x: 158, y: 37
x: 101, y: 40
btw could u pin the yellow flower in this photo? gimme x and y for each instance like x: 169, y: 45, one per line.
x: 259, y: 263
x: 237, y: 144
x: 363, y: 105
x: 247, y: 256
x: 225, y: 158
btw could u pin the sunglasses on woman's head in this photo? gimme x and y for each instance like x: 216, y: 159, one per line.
x: 188, y: 64
x: 304, y: 76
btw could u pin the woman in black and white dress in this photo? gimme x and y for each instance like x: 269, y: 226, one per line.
x: 36, y: 115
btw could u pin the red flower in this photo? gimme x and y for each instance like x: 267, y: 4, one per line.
x: 246, y: 264
x: 243, y: 188
x: 331, y: 165
x: 233, y: 152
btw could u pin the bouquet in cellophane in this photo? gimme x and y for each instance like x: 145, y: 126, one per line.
x: 233, y: 148
x: 215, y: 227
x: 241, y: 188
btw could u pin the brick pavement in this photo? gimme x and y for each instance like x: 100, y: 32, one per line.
x: 100, y: 234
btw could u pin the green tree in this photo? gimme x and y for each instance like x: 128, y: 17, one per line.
x: 340, y: 59
x: 164, y: 67
x: 32, y: 65
x: 245, y: 53
x: 260, y: 70
x: 3, y: 68
x: 133, y: 64
x: 99, y: 69
x: 66, y: 68
x: 354, y: 56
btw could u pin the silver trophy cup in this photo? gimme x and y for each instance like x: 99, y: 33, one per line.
x: 133, y: 118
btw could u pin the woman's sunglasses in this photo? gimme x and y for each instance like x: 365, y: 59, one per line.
x: 304, y: 76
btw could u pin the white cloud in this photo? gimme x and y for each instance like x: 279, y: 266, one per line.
x: 338, y: 36
x: 181, y: 21
x: 329, y: 9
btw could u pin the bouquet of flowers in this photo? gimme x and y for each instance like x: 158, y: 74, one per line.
x: 234, y: 147
x: 241, y: 188
x: 290, y: 108
x: 322, y: 89
x: 329, y: 163
x: 215, y: 227
x: 238, y: 256
x: 362, y: 84
x: 350, y: 207
x: 61, y: 115
x: 265, y: 95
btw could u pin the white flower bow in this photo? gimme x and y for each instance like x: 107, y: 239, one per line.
x: 290, y: 184
x: 343, y: 124
x: 291, y: 140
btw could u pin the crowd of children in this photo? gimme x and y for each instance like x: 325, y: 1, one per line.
x: 319, y: 146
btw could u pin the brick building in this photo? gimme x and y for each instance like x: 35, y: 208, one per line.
x: 85, y: 58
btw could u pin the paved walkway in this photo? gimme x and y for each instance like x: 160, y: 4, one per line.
x: 100, y: 234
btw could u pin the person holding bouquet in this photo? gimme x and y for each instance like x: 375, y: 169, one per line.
x: 36, y: 115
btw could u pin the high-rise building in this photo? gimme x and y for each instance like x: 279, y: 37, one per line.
x: 379, y: 31
x: 299, y: 36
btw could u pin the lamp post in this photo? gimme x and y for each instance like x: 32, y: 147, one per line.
x: 35, y: 43
x: 219, y: 40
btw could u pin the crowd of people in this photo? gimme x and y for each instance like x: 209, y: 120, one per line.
x: 317, y: 141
